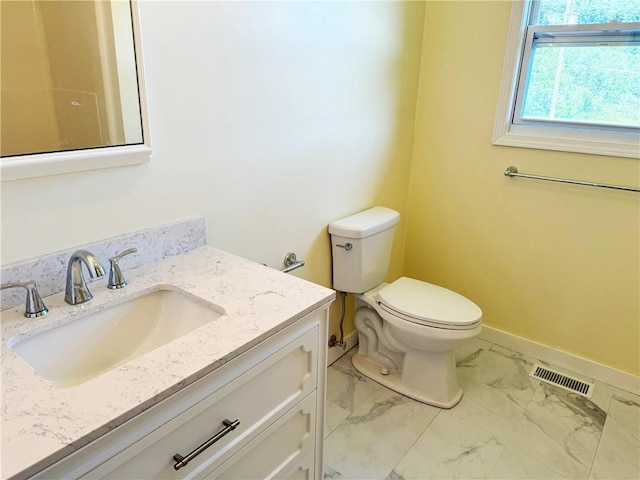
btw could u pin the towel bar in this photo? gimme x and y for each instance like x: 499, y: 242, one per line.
x: 513, y: 172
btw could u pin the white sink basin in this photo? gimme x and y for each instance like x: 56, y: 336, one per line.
x: 97, y: 342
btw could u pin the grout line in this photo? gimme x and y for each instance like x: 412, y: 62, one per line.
x: 417, y: 438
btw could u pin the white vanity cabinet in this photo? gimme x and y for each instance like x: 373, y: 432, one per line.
x: 275, y: 391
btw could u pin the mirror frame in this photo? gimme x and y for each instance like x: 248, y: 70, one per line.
x: 44, y: 164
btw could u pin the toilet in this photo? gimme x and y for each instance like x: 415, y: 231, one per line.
x: 407, y: 329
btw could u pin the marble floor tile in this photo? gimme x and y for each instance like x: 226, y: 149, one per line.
x: 349, y: 389
x: 376, y: 436
x: 471, y: 347
x: 498, y: 380
x: 508, y: 425
x: 334, y: 415
x: 556, y: 438
x: 618, y: 454
x: 467, y: 438
x: 331, y: 473
x: 529, y: 360
x: 413, y: 466
x: 602, y: 392
x: 602, y: 395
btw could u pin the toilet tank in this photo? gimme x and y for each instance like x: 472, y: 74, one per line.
x: 365, y: 263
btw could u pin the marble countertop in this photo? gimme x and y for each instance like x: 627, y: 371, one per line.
x: 42, y: 423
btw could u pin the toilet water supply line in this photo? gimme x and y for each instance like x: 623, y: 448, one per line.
x: 291, y: 263
x: 333, y: 341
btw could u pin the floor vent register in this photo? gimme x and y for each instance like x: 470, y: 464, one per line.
x: 562, y: 380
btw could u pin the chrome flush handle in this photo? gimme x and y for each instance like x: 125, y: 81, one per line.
x: 116, y: 279
x: 347, y: 246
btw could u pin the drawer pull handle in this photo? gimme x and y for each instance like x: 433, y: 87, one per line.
x: 183, y: 461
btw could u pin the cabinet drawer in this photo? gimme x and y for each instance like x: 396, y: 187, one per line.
x: 302, y: 469
x: 277, y: 450
x: 256, y: 399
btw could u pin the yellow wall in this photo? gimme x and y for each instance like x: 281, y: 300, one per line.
x: 553, y: 263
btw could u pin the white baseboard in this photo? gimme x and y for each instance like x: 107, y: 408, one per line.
x: 336, y: 352
x: 582, y: 366
x: 574, y: 363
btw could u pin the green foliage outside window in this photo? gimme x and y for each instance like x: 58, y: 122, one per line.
x: 561, y: 12
x: 594, y: 84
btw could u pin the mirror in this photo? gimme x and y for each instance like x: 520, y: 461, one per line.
x: 71, y: 87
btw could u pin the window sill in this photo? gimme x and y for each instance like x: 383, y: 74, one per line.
x: 566, y: 140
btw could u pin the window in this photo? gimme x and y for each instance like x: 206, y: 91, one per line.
x: 572, y: 77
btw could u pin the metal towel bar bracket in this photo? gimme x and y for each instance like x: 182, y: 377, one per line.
x: 513, y: 172
x: 291, y: 262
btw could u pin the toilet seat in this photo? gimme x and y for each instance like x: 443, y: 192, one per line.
x: 427, y: 304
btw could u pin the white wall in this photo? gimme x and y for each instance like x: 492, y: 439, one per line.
x: 270, y: 119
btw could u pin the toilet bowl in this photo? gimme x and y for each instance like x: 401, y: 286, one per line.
x: 408, y: 329
x: 408, y: 332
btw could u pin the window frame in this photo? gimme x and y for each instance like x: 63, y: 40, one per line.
x: 547, y: 135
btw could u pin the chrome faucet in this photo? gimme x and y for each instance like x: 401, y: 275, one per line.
x: 77, y: 290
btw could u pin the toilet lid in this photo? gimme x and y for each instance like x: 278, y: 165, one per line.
x: 428, y: 304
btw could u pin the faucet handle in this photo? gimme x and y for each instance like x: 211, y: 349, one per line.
x: 116, y: 279
x: 34, y: 306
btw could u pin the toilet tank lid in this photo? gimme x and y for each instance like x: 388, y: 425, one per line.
x: 365, y: 223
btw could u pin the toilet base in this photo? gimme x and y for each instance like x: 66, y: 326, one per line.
x: 393, y: 380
